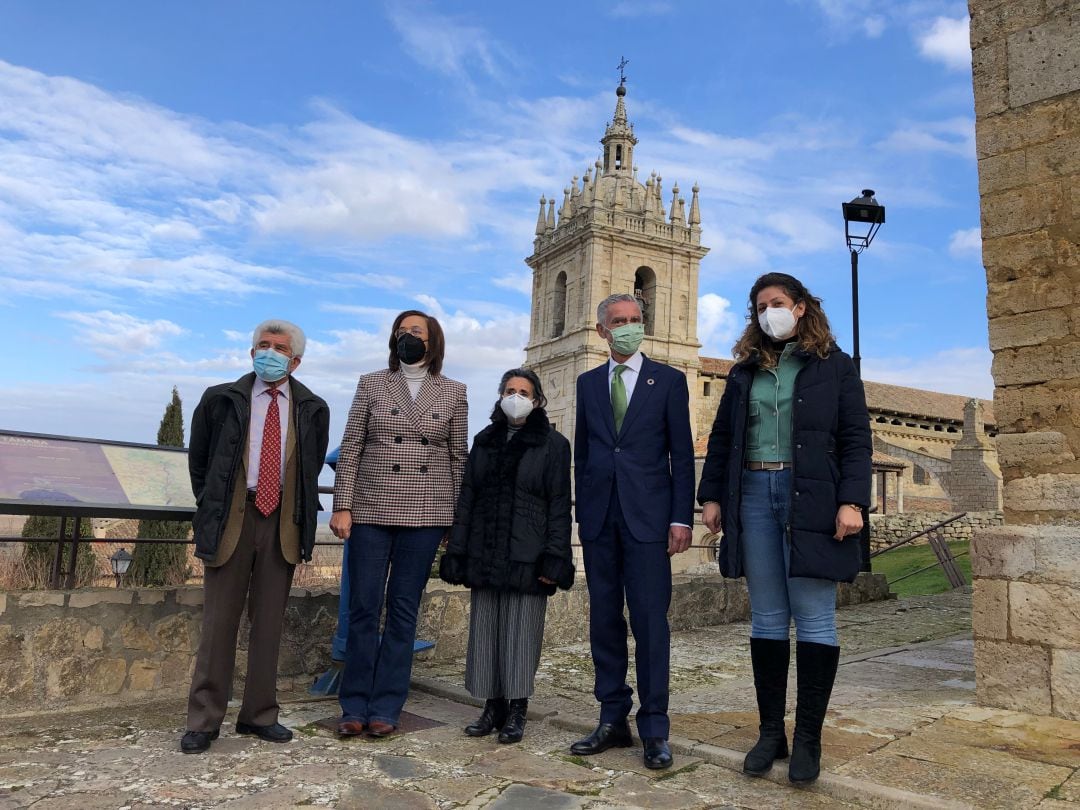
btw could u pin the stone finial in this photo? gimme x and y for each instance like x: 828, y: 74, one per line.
x: 695, y: 210
x: 541, y: 222
x: 676, y: 214
x: 565, y: 212
x: 660, y: 197
x: 597, y: 196
x: 551, y: 215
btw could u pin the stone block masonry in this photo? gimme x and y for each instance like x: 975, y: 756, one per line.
x: 1026, y: 604
x: 66, y: 649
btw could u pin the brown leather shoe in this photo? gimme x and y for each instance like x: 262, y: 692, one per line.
x: 350, y: 728
x: 377, y: 728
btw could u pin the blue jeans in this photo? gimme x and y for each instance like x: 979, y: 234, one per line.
x: 387, y: 564
x: 775, y: 598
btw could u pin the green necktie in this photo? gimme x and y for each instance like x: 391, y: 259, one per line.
x: 618, y: 397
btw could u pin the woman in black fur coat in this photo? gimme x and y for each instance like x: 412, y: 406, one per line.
x: 510, y: 544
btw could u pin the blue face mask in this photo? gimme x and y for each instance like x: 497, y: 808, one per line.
x: 270, y: 366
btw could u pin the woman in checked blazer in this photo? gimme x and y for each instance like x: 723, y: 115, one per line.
x: 398, y: 476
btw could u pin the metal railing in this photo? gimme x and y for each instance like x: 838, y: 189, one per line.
x: 946, y: 560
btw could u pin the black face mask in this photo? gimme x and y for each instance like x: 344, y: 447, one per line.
x: 410, y: 349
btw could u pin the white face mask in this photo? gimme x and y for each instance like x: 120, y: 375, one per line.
x: 777, y: 322
x: 516, y: 407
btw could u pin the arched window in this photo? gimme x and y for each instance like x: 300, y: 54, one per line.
x: 558, y: 306
x: 919, y: 475
x: 645, y: 293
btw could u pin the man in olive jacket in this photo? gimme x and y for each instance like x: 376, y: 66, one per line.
x: 257, y: 446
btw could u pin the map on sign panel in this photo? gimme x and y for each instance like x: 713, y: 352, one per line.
x: 62, y: 469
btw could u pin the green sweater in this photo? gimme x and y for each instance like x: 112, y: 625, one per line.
x: 768, y: 434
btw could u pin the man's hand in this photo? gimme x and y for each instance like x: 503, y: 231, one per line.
x: 678, y: 539
x: 341, y: 524
x: 546, y: 581
x: 848, y: 521
x: 710, y: 516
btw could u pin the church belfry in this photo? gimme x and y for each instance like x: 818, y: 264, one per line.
x: 613, y: 234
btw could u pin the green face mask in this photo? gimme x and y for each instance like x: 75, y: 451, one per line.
x: 625, y: 339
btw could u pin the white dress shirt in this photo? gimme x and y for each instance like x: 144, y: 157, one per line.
x: 629, y: 375
x: 260, y: 402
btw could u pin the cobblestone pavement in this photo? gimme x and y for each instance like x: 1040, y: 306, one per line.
x: 902, y: 732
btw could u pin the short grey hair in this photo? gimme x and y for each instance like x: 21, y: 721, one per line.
x: 278, y: 327
x: 602, y: 307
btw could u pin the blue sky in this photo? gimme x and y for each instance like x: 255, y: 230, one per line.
x: 171, y: 174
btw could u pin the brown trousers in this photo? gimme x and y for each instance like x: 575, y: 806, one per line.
x: 258, y: 574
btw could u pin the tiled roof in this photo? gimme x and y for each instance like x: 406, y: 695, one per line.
x: 896, y: 399
x: 885, y: 460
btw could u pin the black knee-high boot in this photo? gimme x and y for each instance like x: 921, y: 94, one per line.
x: 770, y: 661
x: 816, y: 670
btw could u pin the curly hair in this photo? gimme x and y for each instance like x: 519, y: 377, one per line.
x: 812, y: 331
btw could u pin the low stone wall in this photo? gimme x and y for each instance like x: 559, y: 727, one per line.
x: 888, y: 529
x: 67, y: 648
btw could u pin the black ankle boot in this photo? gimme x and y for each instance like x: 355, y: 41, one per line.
x: 514, y: 729
x: 493, y: 716
x: 816, y: 669
x: 770, y: 661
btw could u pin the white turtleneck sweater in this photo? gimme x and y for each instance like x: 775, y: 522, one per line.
x: 414, y: 376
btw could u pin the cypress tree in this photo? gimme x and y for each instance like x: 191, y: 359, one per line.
x: 163, y: 563
x: 38, y: 557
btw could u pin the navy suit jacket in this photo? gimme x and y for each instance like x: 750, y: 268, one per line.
x: 650, y: 461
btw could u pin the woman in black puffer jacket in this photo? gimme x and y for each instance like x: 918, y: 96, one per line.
x: 510, y: 544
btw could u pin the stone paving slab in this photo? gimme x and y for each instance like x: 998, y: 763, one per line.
x: 902, y: 733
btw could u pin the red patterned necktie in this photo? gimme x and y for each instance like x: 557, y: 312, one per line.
x: 268, y: 491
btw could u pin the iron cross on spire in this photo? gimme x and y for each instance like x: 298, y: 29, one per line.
x: 623, y: 62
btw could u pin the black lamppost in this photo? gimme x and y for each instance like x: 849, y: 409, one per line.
x: 120, y: 562
x: 862, y: 220
x: 863, y: 217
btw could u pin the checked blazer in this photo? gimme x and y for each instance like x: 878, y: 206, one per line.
x: 401, y: 462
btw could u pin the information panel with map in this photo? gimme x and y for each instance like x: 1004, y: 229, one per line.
x: 43, y: 474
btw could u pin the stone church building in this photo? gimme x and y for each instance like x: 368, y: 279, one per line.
x: 614, y: 233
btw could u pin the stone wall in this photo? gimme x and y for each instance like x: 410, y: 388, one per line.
x: 1026, y: 65
x: 888, y: 529
x: 68, y: 648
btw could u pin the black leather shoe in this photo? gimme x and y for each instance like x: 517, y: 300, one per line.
x: 657, y: 753
x: 276, y: 733
x: 607, y: 735
x: 514, y: 729
x: 195, y: 742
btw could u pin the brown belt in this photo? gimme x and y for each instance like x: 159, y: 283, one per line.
x: 768, y: 465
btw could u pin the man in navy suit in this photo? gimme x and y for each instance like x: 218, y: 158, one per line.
x: 634, y: 480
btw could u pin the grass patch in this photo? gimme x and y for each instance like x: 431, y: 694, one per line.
x: 573, y: 759
x: 906, y: 559
x: 693, y: 766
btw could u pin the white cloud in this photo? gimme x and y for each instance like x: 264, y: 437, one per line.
x: 952, y: 136
x: 964, y: 371
x: 445, y: 44
x: 966, y: 243
x: 107, y: 333
x: 851, y: 15
x: 947, y: 40
x: 718, y: 326
x: 519, y: 282
x: 383, y: 281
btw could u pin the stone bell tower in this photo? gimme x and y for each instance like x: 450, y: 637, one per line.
x: 612, y: 235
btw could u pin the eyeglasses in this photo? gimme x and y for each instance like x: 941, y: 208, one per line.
x: 416, y: 331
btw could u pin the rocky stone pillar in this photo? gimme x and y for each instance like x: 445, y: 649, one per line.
x: 974, y: 475
x: 1026, y: 65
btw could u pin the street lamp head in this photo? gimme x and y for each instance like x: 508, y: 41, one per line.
x: 866, y: 214
x: 120, y: 562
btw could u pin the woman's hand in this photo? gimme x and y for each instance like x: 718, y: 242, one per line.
x: 848, y: 521
x: 546, y: 581
x: 341, y: 524
x: 710, y: 515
